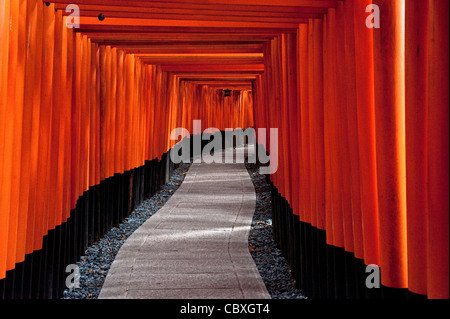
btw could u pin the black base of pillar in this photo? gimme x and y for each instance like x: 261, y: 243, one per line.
x: 320, y: 270
x: 43, y: 273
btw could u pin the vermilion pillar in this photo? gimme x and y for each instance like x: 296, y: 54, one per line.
x: 16, y: 138
x: 334, y: 135
x: 352, y: 128
x: 293, y: 109
x: 389, y: 64
x: 9, y: 107
x: 416, y: 109
x: 365, y: 99
x: 343, y: 159
x: 45, y: 127
x: 30, y: 102
x: 328, y: 95
x: 311, y: 118
x: 304, y: 105
x: 438, y: 151
x: 4, y: 215
x: 318, y: 125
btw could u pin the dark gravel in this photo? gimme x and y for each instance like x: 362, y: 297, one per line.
x: 268, y: 258
x: 94, y: 265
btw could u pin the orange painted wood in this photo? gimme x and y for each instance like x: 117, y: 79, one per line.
x: 438, y: 151
x: 76, y: 119
x: 152, y: 118
x: 237, y: 5
x: 51, y: 157
x: 318, y: 124
x: 362, y: 136
x: 335, y: 138
x: 352, y: 131
x: 62, y: 209
x: 276, y: 100
x: 4, y: 50
x: 284, y: 121
x: 365, y: 99
x: 92, y: 23
x: 143, y: 13
x: 25, y: 204
x: 107, y: 114
x: 93, y: 105
x: 85, y: 115
x: 45, y: 127
x: 390, y: 141
x: 121, y: 109
x: 343, y: 137
x: 304, y: 110
x: 114, y: 155
x: 128, y: 98
x: 8, y: 120
x: 70, y: 101
x: 103, y: 106
x: 416, y: 109
x: 67, y: 70
x: 328, y: 95
x: 311, y: 117
x: 98, y: 137
x: 17, y: 137
x: 211, y: 11
x: 56, y: 134
x: 35, y: 131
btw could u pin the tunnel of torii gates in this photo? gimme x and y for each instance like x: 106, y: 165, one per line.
x: 359, y: 96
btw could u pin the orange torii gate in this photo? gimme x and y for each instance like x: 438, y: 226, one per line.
x: 362, y: 115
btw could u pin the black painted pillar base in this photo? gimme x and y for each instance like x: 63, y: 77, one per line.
x: 43, y: 273
x: 320, y: 270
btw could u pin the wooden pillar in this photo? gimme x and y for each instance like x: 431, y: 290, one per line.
x: 45, y: 127
x: 438, y: 150
x: 352, y: 129
x: 304, y: 110
x: 311, y: 118
x: 318, y: 124
x: 16, y: 138
x: 416, y: 108
x: 365, y: 99
x: 390, y: 140
x: 335, y: 137
x: 294, y: 138
x: 342, y: 101
x: 4, y: 214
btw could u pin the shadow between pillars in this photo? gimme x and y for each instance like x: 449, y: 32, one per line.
x: 42, y: 275
x: 320, y: 270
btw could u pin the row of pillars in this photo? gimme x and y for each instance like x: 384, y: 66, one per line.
x: 363, y: 135
x: 75, y: 113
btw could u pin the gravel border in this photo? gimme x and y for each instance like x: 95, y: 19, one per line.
x: 271, y: 264
x: 94, y: 265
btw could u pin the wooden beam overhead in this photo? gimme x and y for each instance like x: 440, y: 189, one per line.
x: 126, y: 22
x: 231, y: 5
x: 238, y: 11
x: 192, y: 15
x: 215, y: 42
x: 190, y: 48
x: 253, y: 68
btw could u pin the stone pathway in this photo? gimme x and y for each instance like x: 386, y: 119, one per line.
x: 196, y: 247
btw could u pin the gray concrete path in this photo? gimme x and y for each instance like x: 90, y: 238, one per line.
x: 196, y: 246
